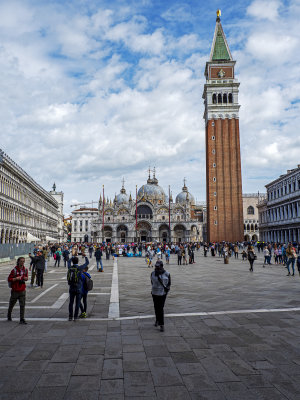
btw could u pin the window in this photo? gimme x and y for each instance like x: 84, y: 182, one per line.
x: 214, y: 98
x: 219, y: 98
x: 213, y: 151
x: 225, y: 98
x: 108, y: 218
x: 250, y: 210
x: 216, y: 222
x: 230, y: 98
x: 215, y: 208
x: 214, y: 165
x: 215, y: 193
x: 163, y: 218
x: 213, y: 138
x: 214, y: 179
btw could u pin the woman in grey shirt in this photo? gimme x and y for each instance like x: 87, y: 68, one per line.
x: 161, y: 283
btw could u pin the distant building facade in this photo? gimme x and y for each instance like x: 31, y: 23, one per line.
x: 25, y: 207
x: 279, y: 213
x: 251, y: 217
x: 83, y: 224
x: 59, y: 197
x: 223, y: 161
x: 115, y: 221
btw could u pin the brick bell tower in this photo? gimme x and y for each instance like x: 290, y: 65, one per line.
x: 223, y: 159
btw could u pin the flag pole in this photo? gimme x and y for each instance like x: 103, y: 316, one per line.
x: 169, y: 215
x: 136, y: 213
x: 103, y: 215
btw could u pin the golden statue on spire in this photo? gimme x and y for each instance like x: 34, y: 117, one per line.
x: 218, y: 15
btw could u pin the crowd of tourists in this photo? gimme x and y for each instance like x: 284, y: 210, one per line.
x: 155, y: 254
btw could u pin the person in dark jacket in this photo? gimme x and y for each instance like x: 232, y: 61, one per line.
x: 84, y: 292
x: 66, y: 256
x: 161, y: 283
x: 39, y: 262
x: 75, y: 288
x: 98, y: 256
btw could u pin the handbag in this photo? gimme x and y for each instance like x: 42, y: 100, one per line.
x: 161, y: 282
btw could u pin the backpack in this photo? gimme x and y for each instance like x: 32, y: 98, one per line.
x: 73, y: 276
x: 15, y: 274
x: 88, y: 283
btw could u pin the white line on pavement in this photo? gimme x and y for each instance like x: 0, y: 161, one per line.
x: 60, y: 301
x: 43, y: 293
x: 114, y: 306
x: 272, y: 310
x: 98, y: 294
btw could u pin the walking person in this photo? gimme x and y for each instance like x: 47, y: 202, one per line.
x: 291, y: 256
x: 91, y: 250
x: 75, y: 285
x: 39, y: 262
x: 251, y: 256
x: 98, y: 256
x: 17, y: 281
x: 58, y: 257
x: 161, y: 283
x: 32, y: 268
x: 66, y: 256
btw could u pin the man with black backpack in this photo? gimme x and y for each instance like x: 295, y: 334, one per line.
x: 87, y: 285
x: 75, y: 284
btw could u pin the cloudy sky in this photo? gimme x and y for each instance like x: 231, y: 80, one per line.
x: 94, y: 90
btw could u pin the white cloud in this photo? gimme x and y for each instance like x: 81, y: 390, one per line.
x: 264, y: 9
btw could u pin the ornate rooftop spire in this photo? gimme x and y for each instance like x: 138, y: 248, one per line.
x: 220, y: 49
x: 54, y: 187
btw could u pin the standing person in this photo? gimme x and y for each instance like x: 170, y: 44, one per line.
x: 58, y: 257
x: 236, y: 251
x: 39, y: 262
x: 167, y: 253
x: 66, y: 256
x: 45, y: 255
x: 205, y: 248
x: 91, y: 250
x: 184, y: 256
x: 16, y: 279
x: 291, y: 256
x: 251, y: 256
x: 75, y: 285
x: 32, y: 268
x: 98, y: 256
x: 179, y: 256
x: 266, y: 254
x: 84, y: 292
x: 161, y: 283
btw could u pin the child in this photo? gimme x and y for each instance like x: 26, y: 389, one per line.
x: 84, y: 292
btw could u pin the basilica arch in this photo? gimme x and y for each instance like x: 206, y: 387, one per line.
x: 144, y: 231
x: 108, y: 232
x: 122, y: 233
x: 163, y: 233
x: 179, y: 233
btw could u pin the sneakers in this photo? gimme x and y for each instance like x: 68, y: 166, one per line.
x: 23, y: 322
x: 70, y: 318
x: 82, y: 315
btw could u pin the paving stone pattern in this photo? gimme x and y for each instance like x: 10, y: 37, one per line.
x: 242, y: 356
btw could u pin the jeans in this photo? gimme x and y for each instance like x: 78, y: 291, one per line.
x: 159, y: 302
x: 179, y: 260
x: 40, y: 277
x: 66, y: 259
x: 14, y: 297
x: 74, y: 295
x: 57, y: 261
x: 99, y: 262
x: 84, y: 301
x: 291, y: 261
x: 33, y: 275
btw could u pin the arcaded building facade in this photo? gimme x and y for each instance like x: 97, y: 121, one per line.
x: 25, y: 207
x: 279, y: 213
x: 223, y: 162
x: 116, y: 220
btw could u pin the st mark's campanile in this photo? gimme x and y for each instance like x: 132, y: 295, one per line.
x: 223, y: 160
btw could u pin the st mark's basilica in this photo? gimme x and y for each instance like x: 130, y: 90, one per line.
x: 159, y: 218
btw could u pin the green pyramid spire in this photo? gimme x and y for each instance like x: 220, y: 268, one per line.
x: 220, y: 50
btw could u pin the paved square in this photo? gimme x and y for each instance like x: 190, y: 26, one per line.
x: 230, y: 334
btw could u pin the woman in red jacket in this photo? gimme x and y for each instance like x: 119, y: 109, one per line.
x: 16, y: 280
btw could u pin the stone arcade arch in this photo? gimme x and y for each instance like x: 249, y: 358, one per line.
x: 122, y: 233
x: 179, y: 233
x: 108, y: 232
x: 163, y: 233
x: 144, y: 231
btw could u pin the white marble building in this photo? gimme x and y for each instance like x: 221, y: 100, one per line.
x: 250, y: 214
x: 25, y: 207
x: 279, y: 213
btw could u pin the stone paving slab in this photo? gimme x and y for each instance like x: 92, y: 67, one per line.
x: 243, y: 355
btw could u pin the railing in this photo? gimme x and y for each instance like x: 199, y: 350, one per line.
x: 12, y: 250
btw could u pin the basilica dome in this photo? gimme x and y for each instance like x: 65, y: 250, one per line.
x: 185, y: 196
x: 152, y: 191
x: 122, y: 197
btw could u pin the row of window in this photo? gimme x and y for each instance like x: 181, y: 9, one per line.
x: 286, y: 189
x: 219, y: 98
x: 250, y: 227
